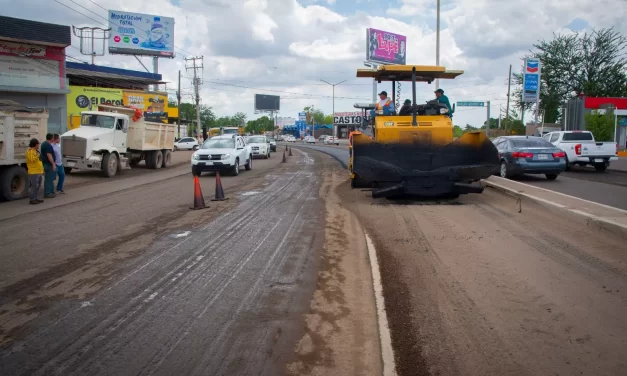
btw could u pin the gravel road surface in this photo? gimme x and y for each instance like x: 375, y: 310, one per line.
x: 133, y: 282
x: 473, y: 287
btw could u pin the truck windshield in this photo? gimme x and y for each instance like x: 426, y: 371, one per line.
x: 100, y: 121
x: 219, y: 143
x: 257, y: 140
x: 230, y: 131
x: 583, y: 136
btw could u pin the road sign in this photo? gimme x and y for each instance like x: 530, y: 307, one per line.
x: 471, y: 104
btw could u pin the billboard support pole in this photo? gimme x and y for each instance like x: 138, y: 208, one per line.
x: 437, y: 43
x: 155, y: 70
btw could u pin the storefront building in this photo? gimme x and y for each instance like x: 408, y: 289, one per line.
x: 32, y: 67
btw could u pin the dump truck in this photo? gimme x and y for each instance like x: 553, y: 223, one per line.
x: 417, y: 155
x: 18, y: 125
x: 115, y: 138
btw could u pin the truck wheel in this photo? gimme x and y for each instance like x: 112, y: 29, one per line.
x: 157, y: 159
x: 67, y: 170
x: 109, y: 165
x: 14, y: 183
x: 235, y: 168
x: 167, y: 158
x: 600, y: 167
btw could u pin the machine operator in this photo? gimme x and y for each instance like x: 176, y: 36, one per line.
x: 440, y: 97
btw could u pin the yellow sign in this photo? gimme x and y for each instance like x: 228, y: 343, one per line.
x: 154, y: 105
x: 81, y: 98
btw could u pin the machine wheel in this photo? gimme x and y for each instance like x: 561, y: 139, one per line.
x: 504, y: 172
x: 167, y: 158
x: 600, y: 167
x: 357, y: 182
x: 249, y: 164
x: 67, y: 170
x: 551, y: 176
x: 235, y: 169
x: 110, y: 165
x: 14, y: 183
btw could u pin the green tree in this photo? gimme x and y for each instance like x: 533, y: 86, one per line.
x: 317, y: 115
x: 590, y: 63
x: 457, y: 131
x: 172, y: 103
x: 328, y: 119
x: 239, y: 118
x: 601, y: 125
x: 258, y: 126
x: 206, y: 116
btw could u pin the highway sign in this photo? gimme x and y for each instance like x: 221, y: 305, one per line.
x: 470, y: 104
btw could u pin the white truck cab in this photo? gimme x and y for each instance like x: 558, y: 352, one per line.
x: 226, y: 153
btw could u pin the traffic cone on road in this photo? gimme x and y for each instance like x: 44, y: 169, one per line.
x: 199, y: 200
x: 285, y: 147
x: 219, y: 190
x: 284, y: 159
x: 290, y: 152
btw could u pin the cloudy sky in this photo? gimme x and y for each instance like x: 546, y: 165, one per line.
x: 285, y: 47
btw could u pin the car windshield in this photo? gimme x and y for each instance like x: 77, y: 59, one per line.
x: 271, y: 139
x: 532, y: 143
x: 100, y: 121
x: 257, y: 140
x: 219, y: 143
x: 583, y: 136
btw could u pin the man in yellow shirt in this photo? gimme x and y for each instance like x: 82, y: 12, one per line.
x: 35, y: 170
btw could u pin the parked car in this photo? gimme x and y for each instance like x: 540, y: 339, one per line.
x: 260, y: 146
x: 331, y: 140
x: 581, y: 149
x: 322, y: 138
x: 529, y: 155
x: 272, y: 144
x: 186, y: 143
x: 309, y: 140
x: 225, y: 153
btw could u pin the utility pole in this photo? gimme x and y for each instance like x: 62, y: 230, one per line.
x: 437, y: 43
x: 509, y: 85
x: 313, y: 120
x: 178, y: 101
x: 334, y: 85
x: 487, y: 124
x: 197, y: 83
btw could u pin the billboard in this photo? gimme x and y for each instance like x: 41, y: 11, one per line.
x: 385, y: 48
x: 84, y: 98
x: 531, y: 80
x: 348, y: 118
x: 267, y: 102
x: 153, y: 105
x: 141, y: 34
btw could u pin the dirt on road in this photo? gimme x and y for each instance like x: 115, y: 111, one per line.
x: 473, y: 287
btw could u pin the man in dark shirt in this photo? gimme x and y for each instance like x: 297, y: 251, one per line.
x: 406, y: 108
x: 50, y: 166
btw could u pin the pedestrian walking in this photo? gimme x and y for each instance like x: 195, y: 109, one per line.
x: 50, y: 166
x: 35, y: 170
x: 56, y: 145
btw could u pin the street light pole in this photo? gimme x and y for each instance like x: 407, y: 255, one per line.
x: 333, y: 115
x: 437, y: 43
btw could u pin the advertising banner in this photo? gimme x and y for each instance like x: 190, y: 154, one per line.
x: 385, y: 48
x: 85, y: 98
x: 531, y: 80
x: 27, y: 72
x: 154, y: 105
x: 141, y: 34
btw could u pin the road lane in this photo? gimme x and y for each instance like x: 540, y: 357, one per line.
x: 473, y: 287
x: 185, y: 292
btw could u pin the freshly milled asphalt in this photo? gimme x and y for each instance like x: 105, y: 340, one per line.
x: 606, y: 188
x: 223, y: 298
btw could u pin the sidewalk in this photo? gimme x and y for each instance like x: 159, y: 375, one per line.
x: 594, y: 214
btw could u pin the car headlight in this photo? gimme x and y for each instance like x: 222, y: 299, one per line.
x: 225, y: 156
x: 195, y: 156
x: 443, y: 110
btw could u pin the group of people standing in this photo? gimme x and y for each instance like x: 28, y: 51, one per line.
x: 44, y: 161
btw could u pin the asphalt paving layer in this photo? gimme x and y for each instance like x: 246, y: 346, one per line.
x: 218, y: 291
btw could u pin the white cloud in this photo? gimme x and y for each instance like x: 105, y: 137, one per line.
x: 287, y: 46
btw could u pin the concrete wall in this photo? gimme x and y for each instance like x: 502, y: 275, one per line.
x: 55, y: 103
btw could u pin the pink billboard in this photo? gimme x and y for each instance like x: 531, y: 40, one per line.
x: 386, y: 48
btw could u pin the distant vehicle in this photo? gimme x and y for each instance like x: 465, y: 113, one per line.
x: 222, y: 153
x: 323, y: 137
x: 290, y: 138
x: 186, y: 143
x: 331, y: 140
x: 581, y: 149
x: 260, y: 146
x: 529, y: 155
x: 309, y: 140
x: 272, y: 143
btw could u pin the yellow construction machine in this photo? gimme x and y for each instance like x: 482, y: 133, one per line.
x: 417, y: 154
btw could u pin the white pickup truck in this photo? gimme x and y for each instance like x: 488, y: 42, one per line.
x: 224, y: 153
x: 582, y: 150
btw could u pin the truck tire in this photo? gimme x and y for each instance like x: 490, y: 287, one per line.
x: 157, y: 159
x: 600, y: 167
x: 110, y: 165
x: 167, y: 158
x: 14, y: 183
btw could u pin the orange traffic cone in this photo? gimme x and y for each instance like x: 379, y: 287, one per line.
x: 219, y: 190
x: 290, y: 152
x: 199, y: 200
x: 285, y: 147
x: 284, y: 159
